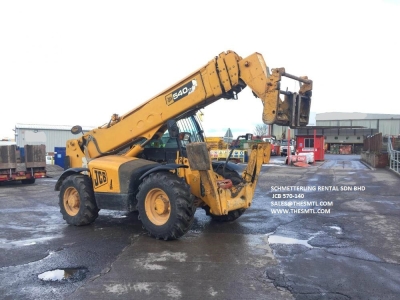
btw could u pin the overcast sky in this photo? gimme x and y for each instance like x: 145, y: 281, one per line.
x: 78, y: 62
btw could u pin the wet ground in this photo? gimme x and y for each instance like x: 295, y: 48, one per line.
x: 328, y: 231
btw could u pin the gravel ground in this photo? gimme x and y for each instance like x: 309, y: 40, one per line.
x: 54, y: 170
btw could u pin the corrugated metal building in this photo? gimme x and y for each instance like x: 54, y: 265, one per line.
x: 387, y: 124
x: 50, y: 135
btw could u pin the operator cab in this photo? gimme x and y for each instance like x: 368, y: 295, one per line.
x: 164, y: 149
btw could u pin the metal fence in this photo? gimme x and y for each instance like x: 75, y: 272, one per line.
x: 394, y: 157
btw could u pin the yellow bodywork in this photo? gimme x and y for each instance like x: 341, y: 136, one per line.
x: 105, y: 173
x: 222, y: 200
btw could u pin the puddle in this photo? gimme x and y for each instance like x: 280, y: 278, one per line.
x: 337, y: 228
x: 6, y: 244
x: 120, y: 217
x: 29, y: 244
x: 313, y: 179
x: 113, y: 214
x: 67, y: 274
x: 276, y: 239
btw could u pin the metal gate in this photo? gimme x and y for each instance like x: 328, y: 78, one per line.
x: 394, y: 157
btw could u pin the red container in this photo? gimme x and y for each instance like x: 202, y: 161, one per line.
x: 305, y: 143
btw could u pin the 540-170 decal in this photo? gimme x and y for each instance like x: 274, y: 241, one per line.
x: 181, y: 92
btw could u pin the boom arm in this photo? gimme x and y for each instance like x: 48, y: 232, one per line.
x: 223, y: 77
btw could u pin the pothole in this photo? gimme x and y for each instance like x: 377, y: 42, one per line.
x: 61, y: 275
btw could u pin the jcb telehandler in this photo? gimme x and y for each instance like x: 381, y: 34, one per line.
x: 154, y: 159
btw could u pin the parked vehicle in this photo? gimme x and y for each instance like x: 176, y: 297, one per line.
x: 284, y: 144
x: 27, y: 167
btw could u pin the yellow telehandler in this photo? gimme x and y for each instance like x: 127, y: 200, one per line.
x: 154, y: 158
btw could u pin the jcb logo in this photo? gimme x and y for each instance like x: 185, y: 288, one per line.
x: 100, y: 178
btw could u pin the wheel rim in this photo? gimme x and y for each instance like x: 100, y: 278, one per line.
x: 71, y: 201
x: 157, y: 206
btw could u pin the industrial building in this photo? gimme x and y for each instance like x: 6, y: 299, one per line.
x: 52, y: 136
x: 387, y: 124
x: 342, y: 129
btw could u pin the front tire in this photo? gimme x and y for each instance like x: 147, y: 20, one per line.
x: 77, y: 202
x: 166, y: 206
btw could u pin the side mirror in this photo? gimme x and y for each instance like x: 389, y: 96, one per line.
x: 76, y: 129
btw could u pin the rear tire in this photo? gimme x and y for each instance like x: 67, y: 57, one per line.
x: 76, y: 200
x: 166, y: 206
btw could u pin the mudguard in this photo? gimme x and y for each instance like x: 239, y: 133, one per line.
x: 166, y: 167
x: 67, y: 173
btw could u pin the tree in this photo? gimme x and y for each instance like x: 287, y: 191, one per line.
x: 261, y: 129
